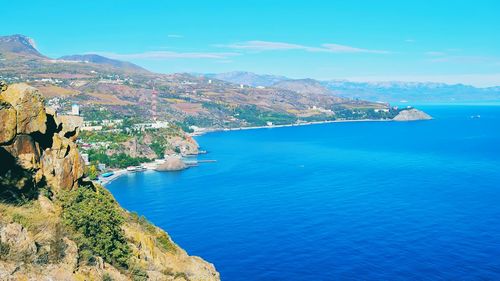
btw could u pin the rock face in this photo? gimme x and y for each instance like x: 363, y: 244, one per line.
x: 28, y: 103
x: 38, y: 149
x: 38, y: 139
x: 412, y: 115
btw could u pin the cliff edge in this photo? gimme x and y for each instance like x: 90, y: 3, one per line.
x: 54, y: 225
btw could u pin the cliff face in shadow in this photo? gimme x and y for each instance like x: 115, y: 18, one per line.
x: 56, y: 226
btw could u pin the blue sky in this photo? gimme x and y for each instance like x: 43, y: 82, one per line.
x: 450, y: 41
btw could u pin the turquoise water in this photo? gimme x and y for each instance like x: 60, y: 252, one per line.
x: 344, y: 201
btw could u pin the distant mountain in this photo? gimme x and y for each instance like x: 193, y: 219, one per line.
x: 413, y: 92
x: 18, y: 46
x: 248, y: 78
x: 305, y: 86
x: 393, y: 92
x: 97, y: 59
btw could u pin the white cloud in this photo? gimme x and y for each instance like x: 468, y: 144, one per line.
x: 257, y: 45
x: 164, y: 55
x: 336, y: 48
x: 410, y: 40
x: 435, y: 53
x: 175, y: 36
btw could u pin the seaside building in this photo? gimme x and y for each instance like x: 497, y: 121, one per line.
x: 101, y: 167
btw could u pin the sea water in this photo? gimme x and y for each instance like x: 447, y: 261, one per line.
x: 342, y: 201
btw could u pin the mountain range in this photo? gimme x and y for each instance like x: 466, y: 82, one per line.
x: 95, y: 82
x: 393, y: 92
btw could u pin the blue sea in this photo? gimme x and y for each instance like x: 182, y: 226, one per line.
x: 343, y: 201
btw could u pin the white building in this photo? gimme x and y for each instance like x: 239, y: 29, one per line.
x: 91, y: 128
x: 75, y: 109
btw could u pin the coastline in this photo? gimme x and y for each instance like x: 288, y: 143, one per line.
x: 122, y: 172
x: 213, y: 130
x: 116, y: 174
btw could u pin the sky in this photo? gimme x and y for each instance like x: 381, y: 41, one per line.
x: 449, y: 41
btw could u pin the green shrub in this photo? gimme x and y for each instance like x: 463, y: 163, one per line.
x: 165, y: 242
x: 4, y: 250
x: 20, y: 219
x: 107, y: 277
x: 95, y: 217
x: 138, y: 274
x: 42, y: 258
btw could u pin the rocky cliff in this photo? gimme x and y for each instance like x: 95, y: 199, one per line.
x: 56, y: 226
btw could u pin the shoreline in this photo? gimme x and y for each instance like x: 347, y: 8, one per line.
x: 208, y: 130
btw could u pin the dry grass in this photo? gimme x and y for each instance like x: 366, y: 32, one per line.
x: 50, y: 91
x: 189, y: 108
x: 31, y: 217
x: 106, y: 99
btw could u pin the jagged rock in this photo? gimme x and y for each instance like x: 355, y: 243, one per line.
x: 172, y: 164
x: 62, y: 165
x: 28, y: 103
x: 70, y: 126
x: 412, y: 115
x: 8, y: 122
x: 26, y: 150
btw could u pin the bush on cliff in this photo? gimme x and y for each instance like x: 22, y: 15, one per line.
x: 94, y: 215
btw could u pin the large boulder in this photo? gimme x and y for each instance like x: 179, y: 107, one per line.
x: 28, y: 103
x: 62, y: 165
x: 8, y: 122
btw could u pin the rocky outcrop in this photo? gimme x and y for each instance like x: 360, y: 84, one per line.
x: 62, y: 165
x: 411, y: 115
x: 172, y: 164
x: 38, y: 150
x: 30, y: 110
x: 183, y: 144
x: 38, y: 139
